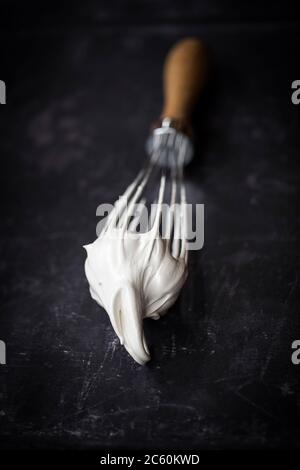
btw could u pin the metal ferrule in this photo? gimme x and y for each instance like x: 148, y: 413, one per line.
x: 168, y: 144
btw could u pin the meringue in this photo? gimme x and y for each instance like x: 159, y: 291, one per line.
x: 135, y: 275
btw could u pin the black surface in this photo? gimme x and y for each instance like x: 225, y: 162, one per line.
x: 82, y: 89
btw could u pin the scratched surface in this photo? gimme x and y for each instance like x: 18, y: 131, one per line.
x: 80, y: 101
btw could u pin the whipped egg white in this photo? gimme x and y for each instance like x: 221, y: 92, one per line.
x: 134, y: 275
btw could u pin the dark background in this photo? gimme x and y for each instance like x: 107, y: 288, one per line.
x: 83, y: 85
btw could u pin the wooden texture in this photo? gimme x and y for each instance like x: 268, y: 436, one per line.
x: 185, y: 72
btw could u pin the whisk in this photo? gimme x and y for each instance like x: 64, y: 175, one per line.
x: 169, y: 147
x: 137, y: 278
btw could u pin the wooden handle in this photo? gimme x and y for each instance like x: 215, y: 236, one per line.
x: 185, y: 72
